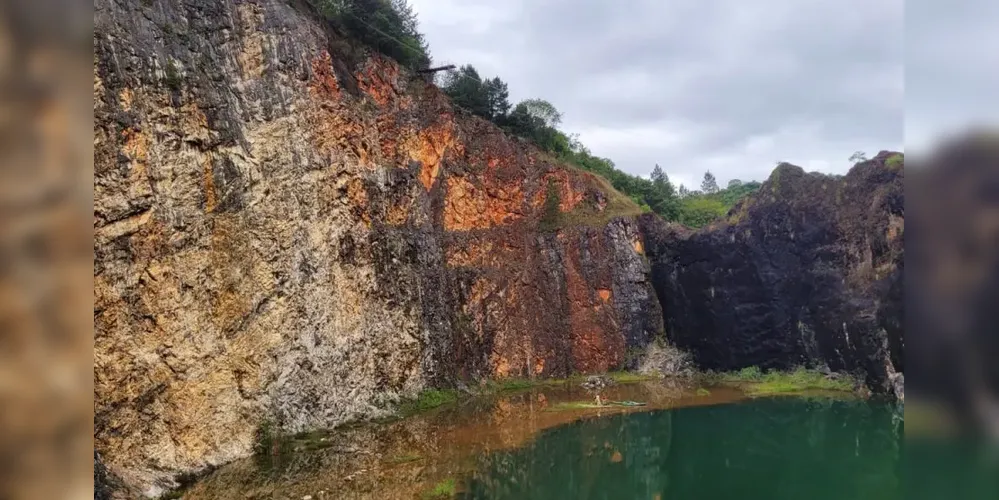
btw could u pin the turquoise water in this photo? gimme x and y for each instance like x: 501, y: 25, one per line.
x: 779, y: 448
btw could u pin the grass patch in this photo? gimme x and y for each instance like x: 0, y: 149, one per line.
x: 586, y: 213
x: 895, y: 161
x: 518, y: 384
x: 799, y: 380
x: 752, y: 373
x: 428, y: 400
x: 447, y: 488
x: 703, y: 392
x: 757, y: 383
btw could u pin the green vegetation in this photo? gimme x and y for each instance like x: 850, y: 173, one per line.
x: 550, y: 211
x: 895, y: 161
x: 700, y: 208
x: 757, y: 383
x: 447, y: 488
x: 537, y: 120
x: 388, y: 26
x: 265, y: 436
x: 428, y: 400
x: 391, y: 28
x: 586, y: 214
x: 404, y: 459
x: 172, y: 75
x: 703, y: 392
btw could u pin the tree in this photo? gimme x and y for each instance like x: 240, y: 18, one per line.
x: 709, y: 185
x: 465, y: 88
x: 858, y: 157
x: 683, y: 192
x: 662, y: 198
x: 497, y: 98
x: 543, y: 110
x: 734, y: 183
x: 536, y: 119
x: 388, y: 26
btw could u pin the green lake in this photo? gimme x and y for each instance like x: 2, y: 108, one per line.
x: 773, y: 448
x: 687, y: 443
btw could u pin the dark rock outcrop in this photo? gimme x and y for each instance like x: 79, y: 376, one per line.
x: 806, y: 272
x: 951, y: 289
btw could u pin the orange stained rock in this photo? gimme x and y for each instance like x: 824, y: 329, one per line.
x: 398, y: 212
x: 358, y: 197
x: 605, y: 294
x: 501, y: 367
x: 125, y: 98
x: 324, y: 83
x: 468, y: 206
x: 377, y: 79
x: 569, y: 194
x: 430, y: 146
x: 136, y: 146
x: 639, y: 248
x: 596, y: 342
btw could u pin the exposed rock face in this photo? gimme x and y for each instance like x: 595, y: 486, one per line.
x: 285, y: 230
x: 805, y: 272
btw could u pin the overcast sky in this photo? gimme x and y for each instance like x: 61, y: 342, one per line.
x: 951, y: 68
x: 730, y: 85
x: 726, y: 85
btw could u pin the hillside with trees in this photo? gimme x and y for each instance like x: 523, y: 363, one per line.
x: 390, y: 27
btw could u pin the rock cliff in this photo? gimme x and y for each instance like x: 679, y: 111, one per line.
x: 291, y: 229
x: 806, y: 272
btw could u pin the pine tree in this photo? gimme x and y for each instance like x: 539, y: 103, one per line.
x: 709, y: 185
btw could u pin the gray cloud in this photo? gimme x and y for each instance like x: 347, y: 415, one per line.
x: 951, y: 68
x: 728, y: 85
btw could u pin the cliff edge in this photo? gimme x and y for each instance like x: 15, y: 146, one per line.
x: 290, y: 229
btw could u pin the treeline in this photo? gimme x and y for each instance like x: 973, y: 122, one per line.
x: 698, y: 208
x: 390, y: 26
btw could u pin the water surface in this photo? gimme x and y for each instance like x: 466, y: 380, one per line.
x: 684, y: 444
x: 774, y: 448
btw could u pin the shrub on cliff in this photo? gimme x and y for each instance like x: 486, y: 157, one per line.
x: 698, y: 209
x: 388, y: 26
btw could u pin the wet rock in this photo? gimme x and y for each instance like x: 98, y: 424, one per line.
x: 805, y: 272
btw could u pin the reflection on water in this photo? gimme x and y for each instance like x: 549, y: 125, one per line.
x: 777, y: 448
x: 524, y: 446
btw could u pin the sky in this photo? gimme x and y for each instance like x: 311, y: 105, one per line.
x: 729, y: 86
x: 951, y: 69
